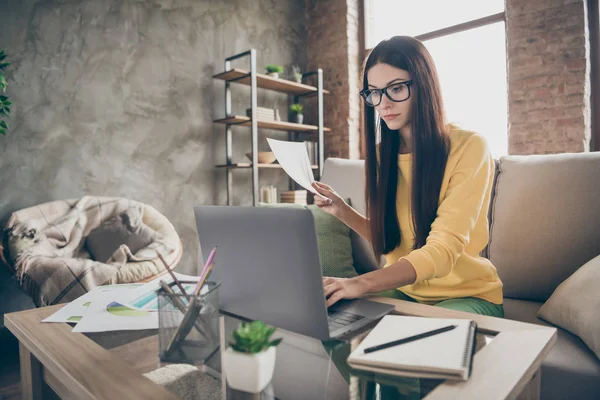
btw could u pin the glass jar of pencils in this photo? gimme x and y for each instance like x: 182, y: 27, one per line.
x: 188, y: 326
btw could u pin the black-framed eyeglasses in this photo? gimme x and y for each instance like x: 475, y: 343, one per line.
x: 396, y: 92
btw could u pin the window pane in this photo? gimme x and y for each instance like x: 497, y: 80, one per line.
x: 472, y: 70
x: 388, y: 18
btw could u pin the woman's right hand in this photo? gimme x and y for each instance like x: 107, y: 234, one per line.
x: 329, y: 201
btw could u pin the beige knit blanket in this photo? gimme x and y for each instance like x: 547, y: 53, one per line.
x: 51, y: 261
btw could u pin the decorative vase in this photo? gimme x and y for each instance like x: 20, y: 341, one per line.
x: 249, y: 372
x: 273, y: 75
x: 299, y: 118
x: 298, y: 78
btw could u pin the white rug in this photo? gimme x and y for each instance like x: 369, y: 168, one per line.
x: 186, y: 382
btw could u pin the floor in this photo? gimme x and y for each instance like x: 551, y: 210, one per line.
x: 10, y: 380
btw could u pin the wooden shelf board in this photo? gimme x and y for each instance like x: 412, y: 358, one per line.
x: 266, y: 82
x: 276, y: 125
x: 249, y: 165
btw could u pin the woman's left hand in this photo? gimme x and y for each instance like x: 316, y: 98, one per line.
x: 343, y: 288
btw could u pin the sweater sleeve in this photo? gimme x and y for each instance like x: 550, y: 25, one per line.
x: 457, y: 212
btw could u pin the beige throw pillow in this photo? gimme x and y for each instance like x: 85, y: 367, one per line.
x: 575, y: 305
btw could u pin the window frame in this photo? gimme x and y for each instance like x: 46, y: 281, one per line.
x: 593, y: 12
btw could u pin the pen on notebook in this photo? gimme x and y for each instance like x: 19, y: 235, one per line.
x: 409, y: 339
x: 205, y: 270
x: 179, y: 285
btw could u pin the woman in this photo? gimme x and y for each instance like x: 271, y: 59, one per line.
x: 427, y: 191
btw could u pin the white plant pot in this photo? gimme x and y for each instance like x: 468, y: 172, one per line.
x: 249, y: 372
x: 274, y: 75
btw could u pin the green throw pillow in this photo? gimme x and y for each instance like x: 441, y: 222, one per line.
x: 333, y: 239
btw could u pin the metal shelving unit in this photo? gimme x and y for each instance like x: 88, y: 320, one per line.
x: 255, y: 81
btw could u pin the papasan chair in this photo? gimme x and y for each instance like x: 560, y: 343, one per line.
x: 62, y: 249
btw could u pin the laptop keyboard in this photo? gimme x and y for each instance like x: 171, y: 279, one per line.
x: 339, y: 319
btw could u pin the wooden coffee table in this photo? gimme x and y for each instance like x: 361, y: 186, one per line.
x: 76, y: 367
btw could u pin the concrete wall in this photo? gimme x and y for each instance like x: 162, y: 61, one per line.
x: 115, y: 98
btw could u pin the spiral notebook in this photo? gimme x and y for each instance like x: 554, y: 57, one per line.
x: 448, y: 355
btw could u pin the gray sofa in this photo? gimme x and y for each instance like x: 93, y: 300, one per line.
x: 544, y: 224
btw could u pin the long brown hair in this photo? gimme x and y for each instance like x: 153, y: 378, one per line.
x: 430, y: 147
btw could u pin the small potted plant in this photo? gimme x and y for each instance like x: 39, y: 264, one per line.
x: 274, y: 70
x: 249, y: 362
x: 297, y: 74
x: 5, y: 103
x: 296, y: 109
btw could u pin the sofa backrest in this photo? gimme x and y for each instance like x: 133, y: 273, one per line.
x: 544, y: 220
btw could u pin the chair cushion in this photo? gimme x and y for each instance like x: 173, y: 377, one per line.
x: 571, y: 370
x: 575, y: 303
x: 142, y: 270
x: 123, y: 229
x: 545, y: 221
x: 333, y: 239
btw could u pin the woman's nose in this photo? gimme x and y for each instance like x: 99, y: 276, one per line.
x: 385, y: 103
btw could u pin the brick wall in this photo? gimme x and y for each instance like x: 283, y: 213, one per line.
x: 548, y: 76
x: 333, y: 45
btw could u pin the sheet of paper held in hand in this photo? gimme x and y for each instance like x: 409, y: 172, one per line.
x: 293, y: 158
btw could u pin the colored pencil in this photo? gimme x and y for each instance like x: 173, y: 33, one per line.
x: 205, y: 271
x: 179, y: 285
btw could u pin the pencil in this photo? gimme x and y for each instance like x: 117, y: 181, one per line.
x: 203, y: 279
x: 172, y: 274
x: 205, y: 270
x: 409, y: 339
x: 182, y: 307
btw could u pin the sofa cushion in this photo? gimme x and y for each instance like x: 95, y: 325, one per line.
x: 571, y: 370
x: 575, y: 303
x: 347, y: 178
x: 545, y: 221
x: 333, y: 240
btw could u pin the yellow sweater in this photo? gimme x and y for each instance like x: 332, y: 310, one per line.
x: 449, y: 265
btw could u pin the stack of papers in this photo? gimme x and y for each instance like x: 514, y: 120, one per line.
x: 118, y: 307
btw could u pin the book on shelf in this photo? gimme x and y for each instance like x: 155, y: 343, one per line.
x: 446, y: 355
x: 294, y: 197
x: 295, y: 194
x: 268, y: 194
x: 264, y: 114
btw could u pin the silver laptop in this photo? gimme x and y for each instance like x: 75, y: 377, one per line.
x: 268, y: 264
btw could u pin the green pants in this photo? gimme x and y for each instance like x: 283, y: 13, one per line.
x: 467, y: 304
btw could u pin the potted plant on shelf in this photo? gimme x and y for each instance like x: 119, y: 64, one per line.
x: 297, y: 74
x: 274, y: 70
x: 296, y: 109
x: 4, y: 101
x: 249, y: 362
